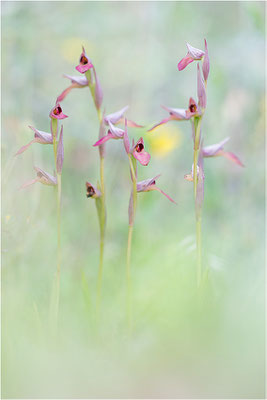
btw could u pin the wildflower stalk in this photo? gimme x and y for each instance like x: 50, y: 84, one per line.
x: 197, y: 124
x: 101, y: 201
x: 132, y: 212
x: 58, y: 188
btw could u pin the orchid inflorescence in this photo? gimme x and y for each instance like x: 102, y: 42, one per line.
x: 195, y: 113
x: 115, y: 126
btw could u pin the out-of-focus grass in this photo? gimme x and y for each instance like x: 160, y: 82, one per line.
x: 184, y: 343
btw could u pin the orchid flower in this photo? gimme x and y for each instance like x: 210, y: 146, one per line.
x: 192, y: 55
x: 85, y: 63
x: 92, y: 191
x: 39, y: 137
x: 216, y: 150
x: 139, y: 153
x: 56, y: 112
x: 43, y: 177
x: 150, y: 184
x: 83, y: 81
x: 180, y: 114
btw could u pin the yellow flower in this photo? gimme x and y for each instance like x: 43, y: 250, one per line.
x: 71, y: 48
x: 163, y: 140
x: 8, y: 218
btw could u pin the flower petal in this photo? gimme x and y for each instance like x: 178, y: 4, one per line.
x: 115, y: 117
x: 176, y: 113
x: 231, y: 156
x: 42, y: 137
x: 133, y: 124
x: 195, y: 53
x: 25, y: 147
x: 66, y: 91
x: 80, y: 80
x: 104, y: 139
x: 117, y: 132
x: 164, y: 121
x: 143, y: 157
x: 26, y: 184
x: 210, y: 151
x: 184, y: 62
x: 165, y: 194
x: 143, y: 185
x: 45, y: 178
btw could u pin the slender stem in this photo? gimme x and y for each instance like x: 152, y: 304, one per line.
x: 102, y: 214
x: 57, y: 279
x: 58, y: 244
x: 198, y: 218
x: 199, y: 255
x: 128, y: 276
x: 129, y: 244
x: 102, y: 223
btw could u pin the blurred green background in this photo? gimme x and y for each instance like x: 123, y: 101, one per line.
x: 185, y: 343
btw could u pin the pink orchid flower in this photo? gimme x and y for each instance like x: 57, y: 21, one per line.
x: 85, y: 63
x: 39, y: 137
x: 216, y: 150
x: 139, y: 153
x: 92, y: 191
x: 43, y: 177
x: 56, y: 112
x: 192, y: 55
x: 150, y: 184
x: 179, y: 114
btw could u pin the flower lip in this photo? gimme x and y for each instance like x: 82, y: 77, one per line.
x: 84, y: 63
x: 139, y: 147
x: 83, y: 60
x: 92, y: 191
x: 139, y: 153
x: 57, y: 112
x: 193, y: 108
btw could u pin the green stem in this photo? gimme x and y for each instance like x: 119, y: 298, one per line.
x: 102, y: 224
x: 57, y: 279
x: 199, y: 255
x: 128, y: 276
x: 198, y: 218
x: 102, y: 211
x: 129, y: 244
x: 58, y: 244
